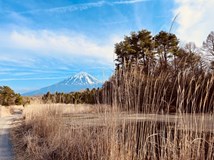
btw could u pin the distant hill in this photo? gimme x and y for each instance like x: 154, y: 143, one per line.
x: 80, y: 81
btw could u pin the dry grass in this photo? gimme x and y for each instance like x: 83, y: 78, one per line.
x: 60, y: 132
x: 168, y: 92
x: 44, y: 135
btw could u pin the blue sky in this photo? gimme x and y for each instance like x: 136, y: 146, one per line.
x: 44, y: 41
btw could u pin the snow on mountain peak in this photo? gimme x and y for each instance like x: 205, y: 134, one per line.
x: 81, y: 78
x: 81, y: 74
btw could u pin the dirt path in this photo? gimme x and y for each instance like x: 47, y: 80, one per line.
x: 6, y: 151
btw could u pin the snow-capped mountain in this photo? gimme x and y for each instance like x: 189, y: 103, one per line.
x: 81, y: 78
x: 78, y: 82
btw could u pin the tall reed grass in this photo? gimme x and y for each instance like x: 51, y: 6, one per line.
x: 167, y: 92
x: 45, y: 135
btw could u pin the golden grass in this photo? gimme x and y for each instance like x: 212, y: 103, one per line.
x: 44, y: 135
x: 64, y: 132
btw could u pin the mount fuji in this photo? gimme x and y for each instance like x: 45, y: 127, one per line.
x: 78, y: 82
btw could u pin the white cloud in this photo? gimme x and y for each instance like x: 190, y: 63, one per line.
x: 195, y: 20
x: 58, y: 44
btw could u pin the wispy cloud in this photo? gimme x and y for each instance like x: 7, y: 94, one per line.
x: 55, y: 44
x: 80, y: 7
x: 129, y: 2
x: 62, y: 9
x: 33, y: 48
x: 7, y: 58
x: 117, y: 22
x: 30, y: 79
x: 83, y: 6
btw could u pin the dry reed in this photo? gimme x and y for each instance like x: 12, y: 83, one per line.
x: 46, y: 135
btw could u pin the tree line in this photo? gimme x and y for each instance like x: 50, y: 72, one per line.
x: 9, y: 97
x: 93, y: 96
x: 154, y: 73
x: 87, y: 96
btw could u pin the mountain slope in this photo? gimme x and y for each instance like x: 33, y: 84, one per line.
x: 76, y: 83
